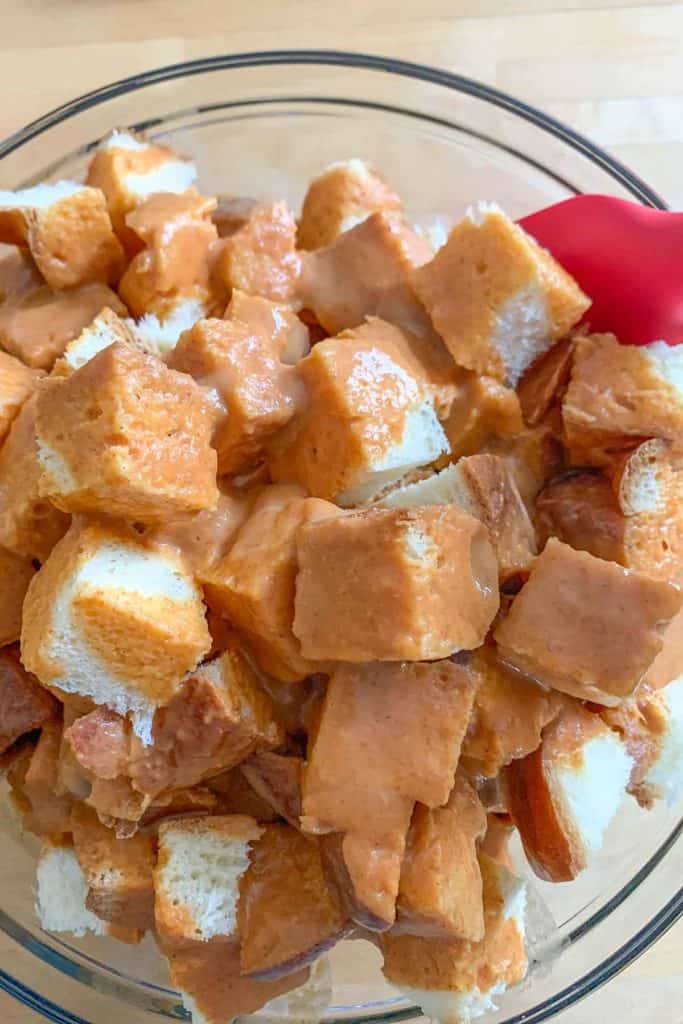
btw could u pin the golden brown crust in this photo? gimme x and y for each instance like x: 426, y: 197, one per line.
x: 544, y: 383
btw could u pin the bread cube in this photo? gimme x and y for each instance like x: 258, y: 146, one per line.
x: 619, y: 395
x: 277, y: 780
x: 17, y: 382
x: 483, y: 410
x: 37, y: 325
x: 367, y: 271
x: 129, y: 169
x: 67, y: 230
x: 16, y: 572
x: 260, y: 258
x: 483, y: 486
x: 110, y: 619
x: 284, y: 884
x: 29, y: 525
x: 585, y: 626
x: 118, y: 872
x: 369, y: 419
x: 176, y: 233
x: 560, y: 811
x: 127, y: 437
x: 640, y: 526
x: 440, y: 890
x: 413, y: 584
x: 545, y: 382
x: 417, y: 715
x: 62, y: 894
x: 497, y: 299
x: 106, y: 329
x: 197, y: 877
x: 255, y: 393
x: 260, y: 604
x: 342, y: 196
x: 161, y: 335
x: 18, y: 272
x: 289, y: 334
x: 509, y: 715
x: 215, y: 992
x: 24, y: 704
x: 457, y: 980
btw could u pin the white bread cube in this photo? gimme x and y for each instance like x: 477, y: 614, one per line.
x: 369, y: 420
x: 665, y: 776
x: 67, y: 230
x: 62, y: 894
x: 620, y: 394
x: 343, y: 195
x: 196, y: 881
x: 456, y: 981
x: 162, y: 335
x: 496, y: 297
x: 110, y: 619
x: 560, y: 811
x: 106, y: 329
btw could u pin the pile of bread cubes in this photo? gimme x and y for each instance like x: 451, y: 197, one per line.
x: 334, y: 554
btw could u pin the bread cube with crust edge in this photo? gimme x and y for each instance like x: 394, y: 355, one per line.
x: 457, y: 980
x: 343, y: 195
x: 563, y: 795
x: 585, y: 626
x: 496, y: 297
x: 109, y: 619
x: 127, y: 437
x: 408, y: 584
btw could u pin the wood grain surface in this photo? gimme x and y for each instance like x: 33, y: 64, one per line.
x: 611, y: 69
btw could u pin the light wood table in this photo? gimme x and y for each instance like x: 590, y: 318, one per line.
x: 611, y: 69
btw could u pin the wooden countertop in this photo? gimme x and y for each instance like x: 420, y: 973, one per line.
x: 611, y: 69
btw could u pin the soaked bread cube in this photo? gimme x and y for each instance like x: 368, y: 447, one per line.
x: 260, y: 257
x: 118, y: 872
x: 457, y: 980
x: 367, y: 271
x: 176, y: 234
x: 16, y: 572
x: 619, y: 395
x: 563, y: 796
x: 197, y: 877
x: 483, y: 410
x: 258, y: 603
x: 496, y: 297
x: 106, y: 329
x: 440, y: 890
x: 585, y: 626
x: 369, y: 418
x: 342, y: 196
x: 256, y: 394
x: 17, y: 382
x: 289, y: 335
x: 415, y: 584
x: 285, y: 883
x: 36, y: 325
x: 128, y: 169
x: 67, y: 230
x: 30, y: 525
x: 126, y: 436
x: 416, y: 716
x: 110, y: 619
x: 24, y: 704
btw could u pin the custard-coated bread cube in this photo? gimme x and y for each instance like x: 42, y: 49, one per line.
x: 255, y: 392
x: 260, y: 258
x: 621, y: 394
x: 289, y: 334
x: 128, y: 169
x: 67, y: 229
x: 17, y: 382
x: 343, y: 195
x: 29, y: 524
x: 176, y: 233
x: 496, y: 297
x: 253, y: 585
x: 407, y: 584
x: 36, y: 325
x: 126, y: 436
x: 110, y: 619
x: 369, y: 418
x: 585, y: 626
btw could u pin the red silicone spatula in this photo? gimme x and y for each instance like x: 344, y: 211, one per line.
x: 627, y: 258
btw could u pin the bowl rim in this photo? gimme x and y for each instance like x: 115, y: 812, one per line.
x: 673, y: 910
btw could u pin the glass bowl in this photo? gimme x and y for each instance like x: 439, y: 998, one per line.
x: 261, y: 124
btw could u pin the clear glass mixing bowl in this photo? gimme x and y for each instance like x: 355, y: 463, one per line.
x: 262, y: 124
